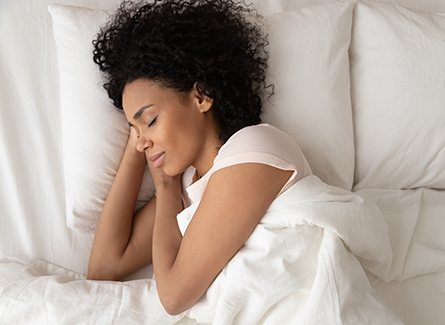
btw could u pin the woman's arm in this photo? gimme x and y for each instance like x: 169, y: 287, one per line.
x: 123, y: 243
x: 234, y: 202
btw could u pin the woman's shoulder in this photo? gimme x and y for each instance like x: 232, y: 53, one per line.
x: 262, y: 139
x: 256, y: 133
x: 264, y: 144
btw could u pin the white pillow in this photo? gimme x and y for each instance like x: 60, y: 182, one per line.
x: 309, y: 67
x: 268, y: 7
x: 94, y: 132
x: 398, y: 95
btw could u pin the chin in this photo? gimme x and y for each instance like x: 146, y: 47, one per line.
x: 170, y: 172
x: 174, y: 170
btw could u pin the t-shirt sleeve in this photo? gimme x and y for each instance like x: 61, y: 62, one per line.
x: 264, y: 144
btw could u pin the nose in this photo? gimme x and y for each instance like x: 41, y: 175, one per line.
x: 143, y: 143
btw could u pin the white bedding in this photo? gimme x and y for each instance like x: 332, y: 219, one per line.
x: 297, y: 267
x: 43, y: 262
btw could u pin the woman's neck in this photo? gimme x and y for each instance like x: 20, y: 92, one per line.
x: 209, y: 150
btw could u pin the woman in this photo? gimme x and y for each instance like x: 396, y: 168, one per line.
x: 189, y: 77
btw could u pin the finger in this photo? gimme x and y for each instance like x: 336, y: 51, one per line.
x: 133, y: 134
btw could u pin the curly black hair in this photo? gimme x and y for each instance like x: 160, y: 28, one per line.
x: 177, y: 43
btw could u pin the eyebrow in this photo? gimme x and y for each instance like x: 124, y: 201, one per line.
x: 141, y: 110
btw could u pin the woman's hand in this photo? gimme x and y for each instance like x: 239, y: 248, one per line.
x: 132, y: 142
x: 162, y: 181
x: 133, y: 138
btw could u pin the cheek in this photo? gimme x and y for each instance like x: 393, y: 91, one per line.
x: 183, y: 147
x: 180, y: 136
x: 170, y: 136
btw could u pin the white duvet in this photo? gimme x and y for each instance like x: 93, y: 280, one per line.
x: 299, y: 266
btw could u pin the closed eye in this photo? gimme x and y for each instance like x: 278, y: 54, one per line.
x: 152, y: 122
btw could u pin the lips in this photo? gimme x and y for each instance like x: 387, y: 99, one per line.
x: 157, y: 159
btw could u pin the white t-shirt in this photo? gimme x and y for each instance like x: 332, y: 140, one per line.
x: 261, y: 143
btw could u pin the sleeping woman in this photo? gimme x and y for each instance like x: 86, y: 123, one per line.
x: 189, y: 76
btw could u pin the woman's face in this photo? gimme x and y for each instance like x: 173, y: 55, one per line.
x: 175, y: 129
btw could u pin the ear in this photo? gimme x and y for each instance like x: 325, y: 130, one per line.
x: 203, y: 101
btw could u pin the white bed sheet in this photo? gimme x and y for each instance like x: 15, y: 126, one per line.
x: 32, y: 198
x: 416, y: 224
x: 417, y: 301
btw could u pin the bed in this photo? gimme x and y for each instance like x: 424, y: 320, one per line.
x: 359, y: 84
